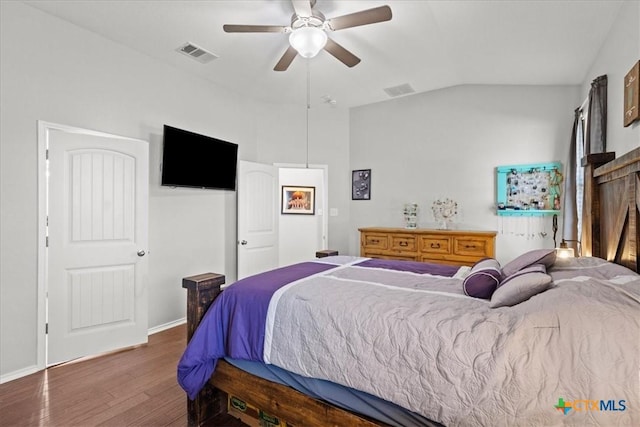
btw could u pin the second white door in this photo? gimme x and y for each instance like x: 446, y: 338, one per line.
x: 257, y: 218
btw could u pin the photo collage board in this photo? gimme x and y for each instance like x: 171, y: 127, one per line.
x: 528, y: 190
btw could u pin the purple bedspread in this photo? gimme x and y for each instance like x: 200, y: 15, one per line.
x: 234, y: 324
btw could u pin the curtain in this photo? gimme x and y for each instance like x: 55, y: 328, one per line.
x: 570, y: 213
x: 595, y: 142
x: 596, y: 133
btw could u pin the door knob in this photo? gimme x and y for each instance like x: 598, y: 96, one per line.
x: 141, y: 252
x: 244, y: 242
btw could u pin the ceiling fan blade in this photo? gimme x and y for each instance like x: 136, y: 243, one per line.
x: 302, y: 7
x: 341, y: 54
x: 231, y: 28
x: 286, y: 59
x: 364, y: 17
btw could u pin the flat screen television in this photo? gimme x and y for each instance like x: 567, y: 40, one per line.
x: 193, y: 160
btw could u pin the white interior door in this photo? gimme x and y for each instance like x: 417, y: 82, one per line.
x: 97, y: 238
x: 257, y: 218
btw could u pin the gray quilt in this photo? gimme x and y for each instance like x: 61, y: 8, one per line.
x: 418, y: 341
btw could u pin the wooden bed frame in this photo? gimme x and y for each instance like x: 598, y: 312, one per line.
x: 610, y: 231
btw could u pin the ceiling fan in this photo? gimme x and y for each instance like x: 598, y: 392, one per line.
x: 308, y: 31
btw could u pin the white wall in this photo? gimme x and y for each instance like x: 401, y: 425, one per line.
x: 301, y: 235
x: 281, y: 133
x: 619, y: 52
x: 447, y: 143
x: 54, y: 71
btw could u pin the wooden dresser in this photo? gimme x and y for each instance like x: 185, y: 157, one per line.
x: 455, y: 247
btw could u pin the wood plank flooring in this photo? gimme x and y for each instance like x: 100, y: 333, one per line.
x: 134, y: 387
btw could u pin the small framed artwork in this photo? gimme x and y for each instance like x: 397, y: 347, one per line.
x: 361, y: 184
x: 298, y: 200
x: 632, y: 95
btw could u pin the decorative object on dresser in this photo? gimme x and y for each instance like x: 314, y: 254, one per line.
x: 632, y: 95
x: 444, y: 212
x: 455, y: 247
x: 410, y: 215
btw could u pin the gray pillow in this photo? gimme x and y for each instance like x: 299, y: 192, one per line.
x: 545, y: 257
x: 521, y: 286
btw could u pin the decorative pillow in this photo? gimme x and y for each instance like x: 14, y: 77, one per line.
x: 483, y: 279
x: 521, y: 286
x: 545, y: 257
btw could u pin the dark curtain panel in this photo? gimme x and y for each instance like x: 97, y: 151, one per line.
x: 570, y: 213
x: 596, y: 134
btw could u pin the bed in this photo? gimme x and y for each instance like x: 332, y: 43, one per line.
x: 566, y: 354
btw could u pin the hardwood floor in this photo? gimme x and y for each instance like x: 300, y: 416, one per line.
x: 134, y: 387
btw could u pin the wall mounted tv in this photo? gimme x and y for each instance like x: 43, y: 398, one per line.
x: 193, y: 160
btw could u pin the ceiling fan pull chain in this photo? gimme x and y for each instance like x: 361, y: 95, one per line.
x: 308, y: 106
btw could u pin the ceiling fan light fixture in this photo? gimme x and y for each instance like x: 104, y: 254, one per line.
x: 308, y: 41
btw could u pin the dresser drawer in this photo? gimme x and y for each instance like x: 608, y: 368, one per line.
x: 375, y: 241
x: 435, y: 244
x: 434, y: 259
x: 403, y: 243
x: 470, y: 246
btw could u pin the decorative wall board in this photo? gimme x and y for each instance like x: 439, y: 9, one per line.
x: 529, y: 190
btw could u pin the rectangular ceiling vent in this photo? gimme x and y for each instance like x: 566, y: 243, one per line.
x: 197, y: 53
x: 402, y: 89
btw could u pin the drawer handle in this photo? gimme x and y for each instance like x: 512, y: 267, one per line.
x: 435, y: 245
x: 469, y: 246
x: 375, y: 241
x: 403, y: 244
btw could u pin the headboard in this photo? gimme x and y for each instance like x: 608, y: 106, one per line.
x: 611, y: 221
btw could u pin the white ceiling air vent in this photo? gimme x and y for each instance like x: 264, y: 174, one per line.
x: 197, y: 53
x: 402, y: 89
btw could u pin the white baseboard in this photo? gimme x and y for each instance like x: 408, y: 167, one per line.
x: 33, y: 369
x: 18, y: 374
x: 166, y: 326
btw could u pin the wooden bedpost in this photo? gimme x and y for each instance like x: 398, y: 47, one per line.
x: 201, y: 291
x: 590, y: 240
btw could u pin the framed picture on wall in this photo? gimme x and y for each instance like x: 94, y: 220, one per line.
x: 632, y: 95
x: 361, y: 184
x: 298, y: 200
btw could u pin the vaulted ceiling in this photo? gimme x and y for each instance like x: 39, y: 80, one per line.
x: 427, y: 44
